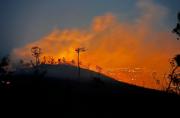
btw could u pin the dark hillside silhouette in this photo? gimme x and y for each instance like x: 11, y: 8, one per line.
x: 79, y: 96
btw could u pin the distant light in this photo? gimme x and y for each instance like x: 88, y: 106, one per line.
x: 8, y: 82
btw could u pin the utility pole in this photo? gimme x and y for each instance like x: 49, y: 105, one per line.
x: 78, y: 50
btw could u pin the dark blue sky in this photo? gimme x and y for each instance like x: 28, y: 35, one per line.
x: 24, y: 21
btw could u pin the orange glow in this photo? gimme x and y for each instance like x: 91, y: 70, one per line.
x: 112, y: 45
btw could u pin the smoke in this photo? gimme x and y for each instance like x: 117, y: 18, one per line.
x: 112, y: 43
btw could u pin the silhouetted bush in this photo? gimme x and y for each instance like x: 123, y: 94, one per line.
x: 177, y: 59
x: 4, y: 61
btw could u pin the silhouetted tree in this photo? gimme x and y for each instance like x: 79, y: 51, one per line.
x: 173, y: 77
x: 154, y: 75
x: 44, y: 60
x: 21, y: 61
x: 177, y: 59
x: 33, y: 65
x: 4, y: 62
x: 36, y: 52
x: 73, y: 62
x: 52, y: 60
x: 5, y: 73
x: 63, y: 60
x: 177, y: 28
x: 59, y: 61
x: 175, y: 64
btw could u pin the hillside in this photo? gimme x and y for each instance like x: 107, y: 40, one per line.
x: 59, y: 85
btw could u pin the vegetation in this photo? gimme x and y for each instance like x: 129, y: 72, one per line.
x: 174, y: 77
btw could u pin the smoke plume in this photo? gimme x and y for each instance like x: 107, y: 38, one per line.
x: 112, y: 43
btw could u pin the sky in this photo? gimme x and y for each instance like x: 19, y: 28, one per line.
x: 25, y: 21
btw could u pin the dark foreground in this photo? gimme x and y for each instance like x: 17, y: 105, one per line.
x: 77, y: 99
